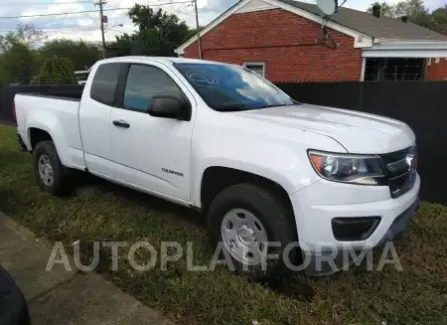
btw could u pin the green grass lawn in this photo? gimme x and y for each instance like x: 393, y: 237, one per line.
x: 98, y: 211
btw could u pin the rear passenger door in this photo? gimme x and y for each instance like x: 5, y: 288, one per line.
x: 94, y: 118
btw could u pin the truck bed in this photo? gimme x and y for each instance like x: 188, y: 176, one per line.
x: 69, y: 96
x: 61, y: 92
x: 57, y: 115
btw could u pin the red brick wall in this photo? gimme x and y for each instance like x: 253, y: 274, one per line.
x: 285, y: 42
x: 436, y: 71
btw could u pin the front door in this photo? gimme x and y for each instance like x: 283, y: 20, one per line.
x: 152, y: 153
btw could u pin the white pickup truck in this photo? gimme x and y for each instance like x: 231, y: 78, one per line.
x: 262, y: 167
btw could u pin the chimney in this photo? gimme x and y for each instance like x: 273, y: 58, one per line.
x: 404, y: 19
x: 376, y: 10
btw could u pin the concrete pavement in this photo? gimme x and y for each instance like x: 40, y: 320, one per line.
x: 61, y: 297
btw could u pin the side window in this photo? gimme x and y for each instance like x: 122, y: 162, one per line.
x: 104, y: 83
x: 145, y: 82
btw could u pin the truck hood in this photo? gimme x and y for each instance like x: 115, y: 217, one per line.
x: 357, y: 132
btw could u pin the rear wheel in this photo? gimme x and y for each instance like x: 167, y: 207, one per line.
x: 252, y: 224
x: 51, y: 176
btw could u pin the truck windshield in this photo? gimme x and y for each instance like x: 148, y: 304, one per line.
x: 228, y: 88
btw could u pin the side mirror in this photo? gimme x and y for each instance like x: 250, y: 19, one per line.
x: 165, y: 106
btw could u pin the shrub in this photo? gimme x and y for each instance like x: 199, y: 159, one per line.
x: 55, y: 71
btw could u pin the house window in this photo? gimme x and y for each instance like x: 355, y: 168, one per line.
x: 391, y: 69
x: 257, y: 67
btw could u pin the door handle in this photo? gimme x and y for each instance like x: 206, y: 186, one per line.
x: 121, y: 124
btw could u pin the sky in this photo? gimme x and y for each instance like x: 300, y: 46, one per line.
x: 86, y: 25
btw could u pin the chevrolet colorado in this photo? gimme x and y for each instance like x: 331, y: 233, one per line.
x: 219, y: 138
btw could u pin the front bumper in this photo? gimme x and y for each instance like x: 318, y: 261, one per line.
x: 318, y: 204
x: 400, y: 223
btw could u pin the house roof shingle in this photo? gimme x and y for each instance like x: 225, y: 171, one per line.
x: 367, y: 24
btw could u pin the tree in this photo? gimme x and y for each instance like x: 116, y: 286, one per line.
x: 385, y: 9
x: 82, y: 54
x: 17, y: 64
x: 30, y: 35
x: 25, y: 34
x: 18, y: 61
x: 158, y: 33
x: 150, y: 42
x: 122, y: 45
x: 193, y: 31
x: 410, y: 8
x: 417, y: 13
x: 440, y: 19
x: 55, y: 70
x: 7, y: 41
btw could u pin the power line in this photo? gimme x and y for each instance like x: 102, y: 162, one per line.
x: 184, y: 12
x: 59, y: 14
x: 47, y: 3
x: 88, y: 11
x: 56, y: 29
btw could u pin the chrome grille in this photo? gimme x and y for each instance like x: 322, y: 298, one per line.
x: 400, y: 169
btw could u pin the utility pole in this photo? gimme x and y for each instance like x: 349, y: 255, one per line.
x: 101, y: 22
x: 199, y: 40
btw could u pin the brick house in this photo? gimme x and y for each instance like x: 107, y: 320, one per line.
x: 289, y: 41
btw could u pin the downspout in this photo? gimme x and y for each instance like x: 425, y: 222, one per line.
x: 362, y: 72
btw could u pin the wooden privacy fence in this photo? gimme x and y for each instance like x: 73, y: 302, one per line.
x: 422, y: 105
x: 7, y: 94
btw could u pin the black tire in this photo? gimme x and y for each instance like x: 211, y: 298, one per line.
x: 13, y: 307
x: 61, y: 184
x: 274, y: 215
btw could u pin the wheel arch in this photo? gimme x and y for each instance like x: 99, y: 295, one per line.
x: 216, y: 178
x: 37, y: 135
x: 38, y: 132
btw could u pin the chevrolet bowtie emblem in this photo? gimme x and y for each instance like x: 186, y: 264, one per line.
x: 411, y: 161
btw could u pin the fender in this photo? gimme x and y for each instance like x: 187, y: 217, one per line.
x: 282, y: 160
x: 50, y: 123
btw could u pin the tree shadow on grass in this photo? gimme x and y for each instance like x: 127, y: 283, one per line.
x: 85, y: 181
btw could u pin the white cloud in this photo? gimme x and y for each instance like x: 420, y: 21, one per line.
x: 85, y: 22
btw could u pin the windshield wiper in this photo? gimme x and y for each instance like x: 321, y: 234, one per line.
x: 234, y: 108
x: 244, y: 107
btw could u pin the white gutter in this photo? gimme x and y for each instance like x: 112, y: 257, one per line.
x: 406, y: 49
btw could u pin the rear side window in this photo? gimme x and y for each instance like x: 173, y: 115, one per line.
x: 104, y: 83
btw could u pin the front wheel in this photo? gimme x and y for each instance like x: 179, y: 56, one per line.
x: 51, y: 176
x: 253, y: 226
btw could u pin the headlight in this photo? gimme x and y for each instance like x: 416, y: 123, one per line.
x: 345, y: 168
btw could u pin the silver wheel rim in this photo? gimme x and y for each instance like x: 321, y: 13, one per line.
x: 45, y: 170
x: 244, y: 236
